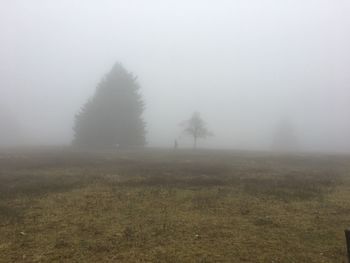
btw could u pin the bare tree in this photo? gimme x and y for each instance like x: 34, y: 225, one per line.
x: 196, y: 128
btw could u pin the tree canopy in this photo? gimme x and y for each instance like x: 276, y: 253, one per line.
x: 196, y: 128
x: 113, y: 116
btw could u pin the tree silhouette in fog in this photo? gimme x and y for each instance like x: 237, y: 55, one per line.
x: 196, y: 128
x: 113, y: 116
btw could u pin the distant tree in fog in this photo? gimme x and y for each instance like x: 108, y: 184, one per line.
x: 285, y: 139
x: 196, y: 128
x: 113, y: 116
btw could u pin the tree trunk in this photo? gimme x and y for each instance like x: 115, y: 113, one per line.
x: 194, y: 142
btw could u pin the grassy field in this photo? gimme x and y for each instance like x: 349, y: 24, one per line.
x: 173, y: 206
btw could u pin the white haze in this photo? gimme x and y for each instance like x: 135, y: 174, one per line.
x: 243, y: 64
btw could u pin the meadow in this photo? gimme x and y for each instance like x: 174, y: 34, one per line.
x: 173, y: 206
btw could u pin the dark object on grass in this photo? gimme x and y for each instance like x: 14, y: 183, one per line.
x: 347, y: 236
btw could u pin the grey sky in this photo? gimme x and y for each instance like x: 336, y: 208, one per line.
x: 243, y: 64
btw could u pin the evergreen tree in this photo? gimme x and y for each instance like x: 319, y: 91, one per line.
x: 113, y: 116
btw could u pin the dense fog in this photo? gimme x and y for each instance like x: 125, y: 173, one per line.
x: 246, y: 65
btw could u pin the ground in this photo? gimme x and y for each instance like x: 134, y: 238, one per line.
x: 173, y: 206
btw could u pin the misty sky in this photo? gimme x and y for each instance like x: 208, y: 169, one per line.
x: 243, y: 64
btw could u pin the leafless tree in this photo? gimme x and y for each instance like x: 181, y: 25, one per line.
x: 196, y: 128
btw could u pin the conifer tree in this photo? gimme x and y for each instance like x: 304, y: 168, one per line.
x: 113, y: 116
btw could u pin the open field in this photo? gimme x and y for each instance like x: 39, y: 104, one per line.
x: 173, y: 206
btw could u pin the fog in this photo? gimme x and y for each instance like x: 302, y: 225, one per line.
x: 244, y: 65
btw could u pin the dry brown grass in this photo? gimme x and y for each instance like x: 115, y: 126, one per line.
x: 159, y: 206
